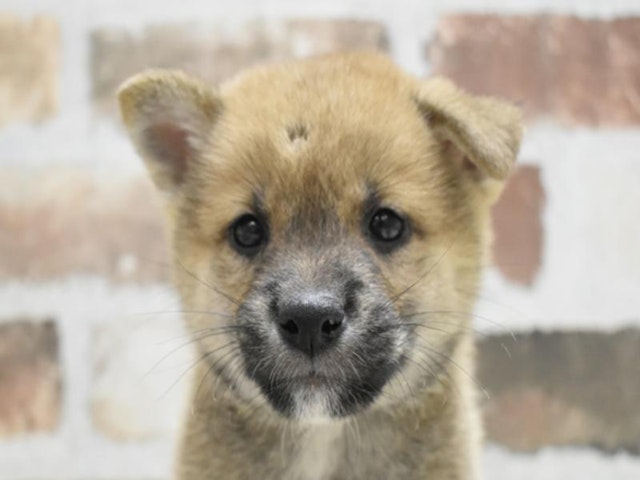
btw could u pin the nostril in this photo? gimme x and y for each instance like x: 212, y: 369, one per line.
x: 311, y: 323
x: 330, y: 326
x: 290, y: 327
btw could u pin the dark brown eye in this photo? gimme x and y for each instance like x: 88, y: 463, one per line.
x: 387, y: 230
x: 247, y: 234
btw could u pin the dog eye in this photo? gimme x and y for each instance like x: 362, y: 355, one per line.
x: 247, y: 234
x: 386, y: 226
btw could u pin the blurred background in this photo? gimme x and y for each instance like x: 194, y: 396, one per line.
x: 93, y: 359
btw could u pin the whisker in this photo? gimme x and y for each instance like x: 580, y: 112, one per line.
x: 410, y: 390
x: 395, y: 298
x: 507, y: 351
x: 203, y: 331
x: 448, y: 359
x: 206, y: 284
x: 497, y: 303
x: 475, y: 316
x: 203, y: 357
x: 428, y: 326
x: 188, y: 312
x: 425, y: 366
x: 213, y: 366
x: 195, y: 338
x: 460, y: 313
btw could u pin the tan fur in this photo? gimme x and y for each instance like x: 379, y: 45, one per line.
x: 307, y: 133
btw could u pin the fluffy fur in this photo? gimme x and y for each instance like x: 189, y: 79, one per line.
x: 312, y: 148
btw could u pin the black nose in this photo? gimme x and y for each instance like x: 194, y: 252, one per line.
x: 311, y: 323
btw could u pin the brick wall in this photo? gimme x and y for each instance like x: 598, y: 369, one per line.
x: 93, y: 361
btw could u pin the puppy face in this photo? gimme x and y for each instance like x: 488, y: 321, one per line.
x: 328, y: 222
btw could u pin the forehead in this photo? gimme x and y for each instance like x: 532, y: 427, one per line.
x: 322, y: 140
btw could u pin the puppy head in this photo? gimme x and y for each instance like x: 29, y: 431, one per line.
x: 328, y: 221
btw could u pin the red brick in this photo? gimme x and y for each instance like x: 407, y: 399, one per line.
x: 562, y: 388
x: 117, y: 54
x: 517, y: 225
x: 579, y: 71
x: 30, y: 377
x: 63, y: 222
x: 29, y: 65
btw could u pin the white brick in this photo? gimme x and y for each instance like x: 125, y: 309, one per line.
x: 559, y: 464
x: 140, y: 372
x: 590, y: 277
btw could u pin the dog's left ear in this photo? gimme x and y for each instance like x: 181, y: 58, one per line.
x: 486, y: 131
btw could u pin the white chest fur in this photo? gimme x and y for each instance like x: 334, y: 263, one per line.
x: 317, y: 453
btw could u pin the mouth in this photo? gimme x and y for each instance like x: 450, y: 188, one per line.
x: 342, y: 380
x: 316, y: 393
x: 313, y: 381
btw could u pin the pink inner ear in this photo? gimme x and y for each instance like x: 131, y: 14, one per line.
x: 467, y: 164
x: 168, y: 144
x: 459, y: 158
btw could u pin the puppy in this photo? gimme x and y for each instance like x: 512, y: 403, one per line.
x: 329, y: 223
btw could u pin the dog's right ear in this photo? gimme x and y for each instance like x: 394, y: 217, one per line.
x: 169, y: 117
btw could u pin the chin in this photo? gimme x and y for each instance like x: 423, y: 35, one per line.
x: 313, y: 404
